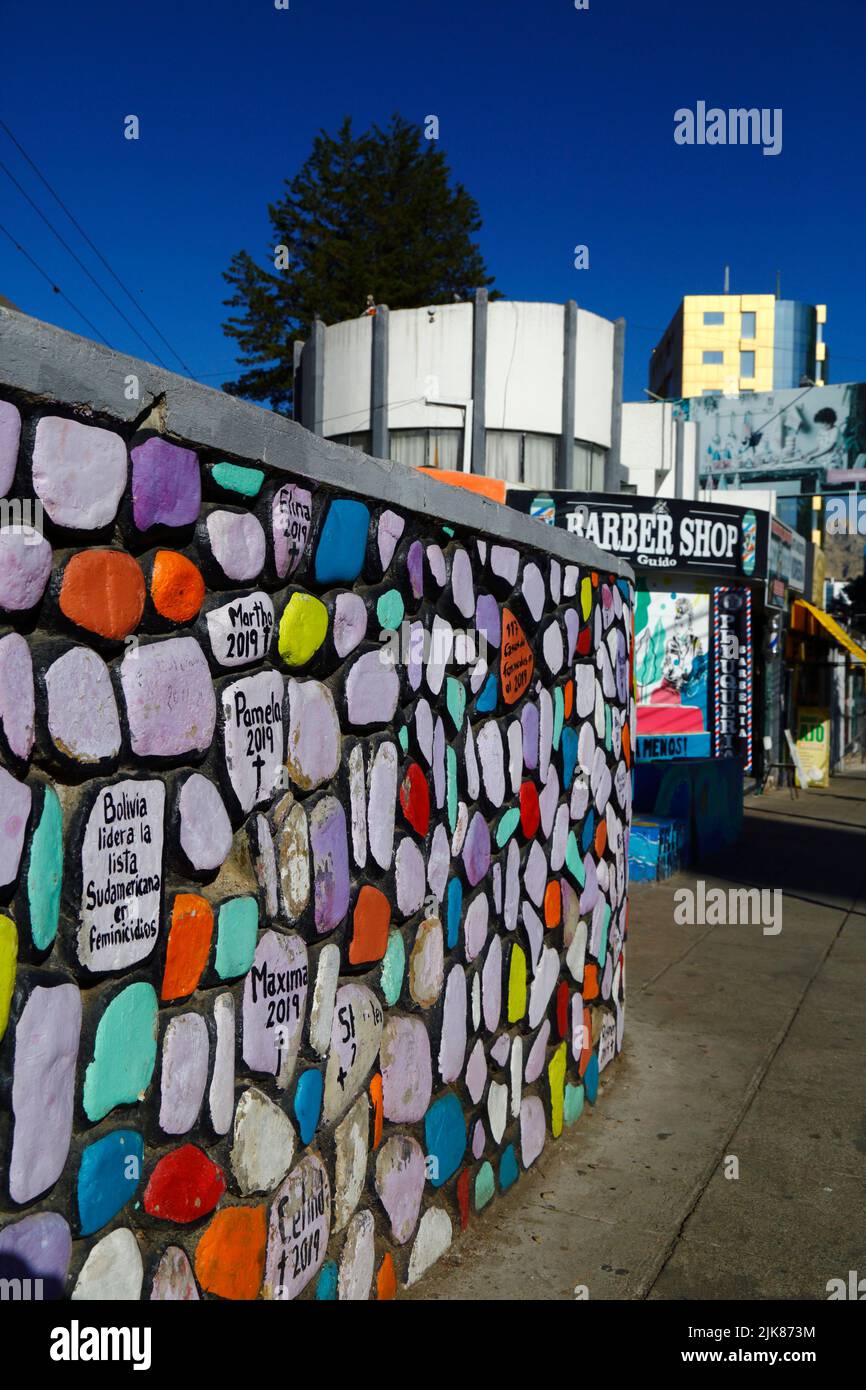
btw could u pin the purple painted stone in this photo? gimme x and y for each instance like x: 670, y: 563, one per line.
x: 439, y: 763
x: 621, y: 669
x: 17, y: 702
x: 25, y: 564
x: 476, y: 850
x: 407, y: 1073
x: 598, y: 916
x: 479, y: 1139
x: 169, y: 695
x: 82, y: 711
x: 184, y: 1072
x: 548, y: 801
x: 391, y: 528
x: 291, y: 515
x: 439, y: 862
x: 409, y: 875
x: 589, y: 895
x: 10, y: 435
x: 475, y: 926
x: 205, y: 828
x: 38, y: 1247
x: 553, y: 648
x: 533, y: 590
x: 43, y: 1089
x: 512, y: 885
x: 584, y: 690
x: 452, y: 1044
x: 424, y: 730
x: 79, y: 472
x: 312, y: 734
x: 492, y: 759
x: 238, y: 545
x: 330, y: 846
x: 400, y: 1177
x: 473, y: 776
x: 350, y: 622
x: 415, y: 565
x: 372, y: 691
x: 476, y: 1072
x: 415, y: 655
x: 504, y: 562
x: 166, y: 484
x: 436, y: 561
x: 535, y: 873
x: 572, y: 628
x: 488, y: 618
x: 501, y: 1050
x: 15, y: 799
x: 586, y: 748
x: 529, y: 724
x: 491, y: 985
x: 462, y: 587
x: 275, y: 1005
x: 531, y: 1129
x: 537, y: 1054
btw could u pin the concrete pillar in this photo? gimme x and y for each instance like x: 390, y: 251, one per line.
x: 479, y: 382
x: 380, y: 444
x: 613, y: 460
x: 297, y: 377
x: 313, y: 379
x: 564, y: 470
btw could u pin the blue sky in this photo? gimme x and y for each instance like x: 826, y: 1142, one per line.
x: 560, y: 123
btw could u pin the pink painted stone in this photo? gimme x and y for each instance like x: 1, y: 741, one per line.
x: 313, y: 734
x: 548, y: 801
x: 298, y: 1229
x: 476, y: 1072
x: 25, y: 564
x: 531, y: 1129
x: 537, y: 1054
x: 82, y: 711
x: 350, y: 622
x: 291, y: 515
x: 169, y: 695
x: 504, y: 562
x: 491, y: 985
x: 589, y: 895
x: 415, y: 655
x: 407, y: 1074
x: 330, y: 846
x: 476, y: 850
x: 400, y: 1178
x: 174, y: 1280
x: 79, y: 472
x: 372, y: 691
x: 410, y: 878
x: 166, y: 484
x: 15, y: 801
x: 275, y: 1005
x: 479, y: 1139
x: 391, y: 528
x: 237, y: 542
x: 475, y: 926
x: 436, y: 561
x: 452, y: 1044
x: 501, y: 1049
x: 462, y: 586
x: 43, y: 1089
x: 17, y: 700
x: 555, y: 580
x: 184, y: 1072
x: 424, y: 730
x: 205, y: 828
x: 559, y: 841
x: 10, y: 435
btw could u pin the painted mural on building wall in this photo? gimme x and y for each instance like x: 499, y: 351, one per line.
x: 313, y: 864
x: 672, y: 657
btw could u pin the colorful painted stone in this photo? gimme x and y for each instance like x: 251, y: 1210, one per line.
x: 173, y: 1280
x: 237, y: 931
x: 342, y: 542
x: 82, y: 716
x: 45, y: 873
x: 330, y: 847
x: 308, y: 1103
x: 274, y: 1007
x: 303, y: 629
x: 370, y: 922
x: 312, y: 734
x: 407, y: 1073
x: 298, y: 1230
x: 166, y: 484
x: 184, y: 1186
x: 121, y: 869
x: 188, y: 946
x: 124, y: 1052
x: 79, y: 472
x: 169, y: 697
x: 43, y: 1087
x: 17, y: 696
x: 108, y: 1176
x: 263, y: 1143
x: 176, y: 587
x: 183, y: 1073
x: 415, y: 799
x: 445, y: 1138
x: 230, y: 1256
x: 237, y: 544
x: 8, y: 964
x: 516, y: 660
x: 38, y: 1247
x: 291, y: 516
x: 400, y: 1178
x: 102, y: 591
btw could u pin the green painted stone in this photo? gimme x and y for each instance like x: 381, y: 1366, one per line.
x: 234, y: 477
x: 602, y: 950
x: 455, y: 698
x: 124, y: 1052
x: 390, y: 610
x: 558, y: 714
x: 485, y: 1185
x: 507, y: 826
x: 449, y: 530
x: 451, y: 768
x: 573, y: 859
x: 393, y: 967
x: 45, y: 873
x: 608, y: 729
x: 237, y: 930
x: 403, y: 736
x: 573, y: 1108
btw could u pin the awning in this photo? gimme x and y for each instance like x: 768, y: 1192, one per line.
x: 837, y: 632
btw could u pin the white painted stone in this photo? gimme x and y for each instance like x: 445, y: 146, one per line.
x: 79, y: 472
x: 358, y: 805
x: 543, y: 985
x: 221, y: 1096
x: 516, y: 1076
x: 121, y: 869
x: 432, y: 1240
x: 241, y: 630
x: 492, y: 762
x: 292, y: 848
x: 113, y: 1271
x: 355, y: 1035
x: 575, y: 956
x: 384, y: 773
x: 173, y: 1280
x: 497, y: 1109
x: 238, y: 544
x: 351, y: 1144
x: 263, y: 1143
x: 298, y: 1230
x: 253, y: 736
x: 357, y: 1260
x: 184, y: 1072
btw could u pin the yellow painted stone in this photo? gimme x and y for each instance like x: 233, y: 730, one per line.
x: 303, y: 628
x: 516, y: 985
x: 556, y: 1077
x: 585, y: 597
x: 8, y: 962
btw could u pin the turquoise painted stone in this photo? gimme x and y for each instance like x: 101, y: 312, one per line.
x: 454, y: 910
x: 573, y: 859
x: 343, y: 540
x: 445, y: 1138
x: 390, y: 609
x: 234, y: 477
x: 485, y: 1185
x: 558, y: 714
x: 308, y: 1103
x: 326, y: 1284
x: 393, y: 967
x: 489, y: 695
x: 110, y: 1172
x: 608, y: 727
x: 507, y: 826
x: 45, y: 872
x: 451, y: 770
x: 124, y: 1052
x: 590, y: 1078
x: 508, y: 1169
x: 403, y: 736
x: 573, y: 1107
x: 237, y: 930
x: 455, y: 698
x: 569, y: 756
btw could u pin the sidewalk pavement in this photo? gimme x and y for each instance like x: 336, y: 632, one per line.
x: 737, y: 1044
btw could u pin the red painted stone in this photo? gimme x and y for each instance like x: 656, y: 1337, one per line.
x: 583, y: 642
x: 463, y: 1198
x: 562, y: 1001
x: 530, y: 815
x: 184, y: 1186
x: 415, y: 799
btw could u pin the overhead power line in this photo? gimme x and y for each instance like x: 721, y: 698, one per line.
x: 55, y: 287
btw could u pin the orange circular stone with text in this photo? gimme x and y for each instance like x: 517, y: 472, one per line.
x: 176, y: 586
x: 103, y: 591
x: 516, y: 661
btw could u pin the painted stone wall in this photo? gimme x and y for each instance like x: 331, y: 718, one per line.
x: 311, y: 937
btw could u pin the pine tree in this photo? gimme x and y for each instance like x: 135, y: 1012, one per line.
x: 368, y: 217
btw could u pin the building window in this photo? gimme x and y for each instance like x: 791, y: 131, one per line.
x: 713, y: 319
x: 747, y: 325
x: 747, y: 364
x: 713, y: 359
x: 710, y: 393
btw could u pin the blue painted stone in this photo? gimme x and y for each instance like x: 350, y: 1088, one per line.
x: 587, y: 832
x: 110, y: 1172
x: 342, y: 543
x: 508, y: 1169
x: 326, y: 1284
x: 453, y: 912
x: 590, y: 1078
x: 622, y: 585
x: 489, y: 695
x: 445, y: 1137
x: 569, y: 756
x: 308, y: 1103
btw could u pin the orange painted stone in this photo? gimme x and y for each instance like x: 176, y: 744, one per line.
x: 376, y: 1101
x: 386, y: 1279
x: 626, y: 745
x: 586, y: 1049
x: 568, y: 699
x: 370, y: 925
x: 103, y: 591
x: 176, y: 586
x: 516, y: 661
x: 601, y: 838
x: 590, y: 982
x: 230, y: 1257
x: 552, y: 903
x: 188, y: 947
